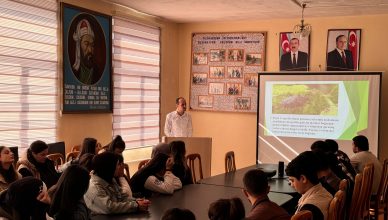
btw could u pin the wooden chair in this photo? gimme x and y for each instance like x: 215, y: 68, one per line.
x: 76, y: 148
x: 15, y: 151
x: 230, y: 164
x: 356, y: 192
x: 336, y: 206
x: 378, y: 204
x: 72, y: 155
x: 57, y: 158
x: 345, y: 187
x: 142, y: 163
x: 367, y: 190
x: 191, y: 163
x: 360, y: 206
x: 302, y: 215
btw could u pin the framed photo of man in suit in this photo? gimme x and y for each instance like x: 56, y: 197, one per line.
x: 294, y: 52
x: 343, y: 49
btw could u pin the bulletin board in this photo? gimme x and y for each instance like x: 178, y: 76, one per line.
x: 224, y: 71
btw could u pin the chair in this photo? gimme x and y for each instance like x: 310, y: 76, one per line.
x: 142, y: 164
x: 57, y: 158
x: 355, y: 195
x: 345, y: 187
x: 230, y: 164
x: 336, y: 206
x: 360, y: 203
x: 15, y: 151
x: 72, y: 155
x: 302, y: 215
x: 57, y: 147
x: 191, y: 163
x: 76, y: 148
x: 379, y: 203
x: 366, y: 190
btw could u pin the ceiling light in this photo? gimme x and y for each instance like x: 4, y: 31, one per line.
x: 302, y: 30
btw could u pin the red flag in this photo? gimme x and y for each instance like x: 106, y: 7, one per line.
x: 285, y: 43
x: 353, y: 47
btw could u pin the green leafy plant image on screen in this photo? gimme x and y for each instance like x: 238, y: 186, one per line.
x: 306, y: 99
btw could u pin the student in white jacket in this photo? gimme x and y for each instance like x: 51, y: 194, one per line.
x: 155, y: 176
x: 104, y: 195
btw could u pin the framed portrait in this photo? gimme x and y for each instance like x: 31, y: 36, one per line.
x: 87, y: 60
x: 235, y: 72
x: 234, y: 88
x: 343, y: 49
x: 294, y: 53
x: 242, y: 103
x: 205, y: 101
x: 254, y: 59
x: 200, y: 58
x: 236, y: 55
x: 217, y: 72
x: 217, y: 55
x: 199, y: 78
x: 216, y: 88
x: 251, y: 80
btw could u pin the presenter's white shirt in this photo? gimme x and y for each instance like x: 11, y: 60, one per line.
x: 177, y: 125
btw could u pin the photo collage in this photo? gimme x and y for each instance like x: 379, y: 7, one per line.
x: 224, y: 73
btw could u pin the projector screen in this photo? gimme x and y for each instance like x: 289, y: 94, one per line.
x: 296, y: 109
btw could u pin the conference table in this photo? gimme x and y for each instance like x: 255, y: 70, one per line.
x: 235, y: 179
x: 196, y: 197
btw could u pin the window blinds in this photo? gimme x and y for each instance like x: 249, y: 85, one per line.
x: 136, y: 82
x: 28, y: 71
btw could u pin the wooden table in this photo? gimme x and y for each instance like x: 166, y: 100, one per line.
x: 197, y: 198
x: 235, y: 179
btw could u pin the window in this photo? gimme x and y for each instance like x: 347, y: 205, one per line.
x: 136, y: 82
x: 28, y: 72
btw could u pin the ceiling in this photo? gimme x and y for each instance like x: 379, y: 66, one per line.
x: 189, y: 11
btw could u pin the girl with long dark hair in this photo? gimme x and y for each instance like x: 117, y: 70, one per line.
x: 180, y: 168
x: 104, y: 195
x: 67, y: 200
x: 8, y: 173
x: 155, y: 176
x: 37, y: 165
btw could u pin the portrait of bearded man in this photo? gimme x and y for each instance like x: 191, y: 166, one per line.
x: 84, y: 66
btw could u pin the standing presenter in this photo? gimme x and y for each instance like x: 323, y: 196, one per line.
x: 178, y: 122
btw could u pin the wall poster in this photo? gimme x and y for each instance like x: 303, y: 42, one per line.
x: 87, y: 60
x: 224, y: 71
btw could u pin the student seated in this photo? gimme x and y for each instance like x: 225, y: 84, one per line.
x: 155, y: 176
x: 8, y: 173
x: 331, y: 159
x: 163, y: 148
x: 89, y: 146
x: 256, y: 190
x: 117, y: 145
x: 326, y: 176
x: 121, y: 178
x: 67, y: 196
x: 342, y: 158
x: 227, y: 209
x: 180, y: 168
x: 35, y: 163
x: 178, y: 214
x: 362, y: 156
x: 104, y: 195
x: 302, y: 172
x: 25, y: 198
